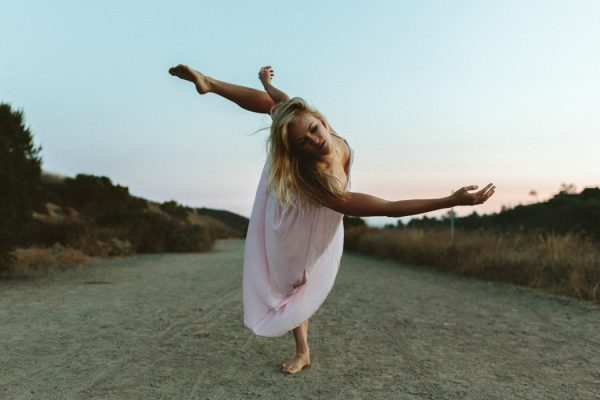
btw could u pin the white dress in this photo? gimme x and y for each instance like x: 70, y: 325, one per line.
x: 291, y: 259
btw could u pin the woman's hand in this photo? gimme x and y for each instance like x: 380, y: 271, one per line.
x: 462, y: 197
x: 266, y: 74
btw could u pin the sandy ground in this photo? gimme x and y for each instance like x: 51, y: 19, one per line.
x: 170, y: 326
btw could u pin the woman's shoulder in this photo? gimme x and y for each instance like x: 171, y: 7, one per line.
x: 346, y: 153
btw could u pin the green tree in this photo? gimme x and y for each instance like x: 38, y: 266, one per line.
x: 352, y: 222
x: 20, y: 171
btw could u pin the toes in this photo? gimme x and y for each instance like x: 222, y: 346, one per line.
x: 179, y: 68
x: 295, y: 366
x: 295, y: 369
x: 292, y: 368
x: 287, y: 368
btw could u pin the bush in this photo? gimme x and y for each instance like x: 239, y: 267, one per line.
x: 41, y: 233
x: 150, y: 232
x: 27, y: 260
x: 20, y: 170
x: 174, y: 209
x: 98, y: 197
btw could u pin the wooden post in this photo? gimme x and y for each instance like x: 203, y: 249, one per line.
x: 451, y: 213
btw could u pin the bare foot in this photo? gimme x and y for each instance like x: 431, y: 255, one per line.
x: 296, y: 365
x: 197, y: 78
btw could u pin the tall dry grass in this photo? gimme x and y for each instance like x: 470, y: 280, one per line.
x: 562, y: 264
x: 34, y: 258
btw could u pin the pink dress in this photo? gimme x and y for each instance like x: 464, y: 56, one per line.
x: 291, y: 259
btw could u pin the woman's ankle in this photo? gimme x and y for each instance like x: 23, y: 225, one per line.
x: 210, y: 84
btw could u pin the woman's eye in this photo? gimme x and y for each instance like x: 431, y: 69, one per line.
x: 313, y: 129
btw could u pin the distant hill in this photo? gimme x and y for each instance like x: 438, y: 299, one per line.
x: 233, y: 225
x: 92, y: 214
x: 565, y: 212
x: 236, y: 223
x: 225, y: 224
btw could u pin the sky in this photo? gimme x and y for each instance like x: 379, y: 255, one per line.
x: 431, y: 95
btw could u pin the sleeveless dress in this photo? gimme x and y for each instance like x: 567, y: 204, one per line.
x: 291, y: 259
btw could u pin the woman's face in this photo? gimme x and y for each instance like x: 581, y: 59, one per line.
x: 310, y: 136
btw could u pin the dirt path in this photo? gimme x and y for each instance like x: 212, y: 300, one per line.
x: 170, y: 327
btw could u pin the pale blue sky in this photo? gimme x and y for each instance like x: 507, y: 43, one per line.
x: 431, y: 95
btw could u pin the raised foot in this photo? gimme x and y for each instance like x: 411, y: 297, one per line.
x: 197, y: 78
x: 296, y: 365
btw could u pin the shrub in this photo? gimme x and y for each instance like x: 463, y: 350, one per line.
x: 20, y: 170
x: 150, y: 232
x: 98, y: 197
x: 34, y: 258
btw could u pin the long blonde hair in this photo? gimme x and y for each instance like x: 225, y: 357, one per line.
x: 295, y: 179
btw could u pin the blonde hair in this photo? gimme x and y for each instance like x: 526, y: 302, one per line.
x: 295, y: 179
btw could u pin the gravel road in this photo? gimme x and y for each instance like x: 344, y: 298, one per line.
x: 169, y: 326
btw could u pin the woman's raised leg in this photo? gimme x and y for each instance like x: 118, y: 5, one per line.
x: 245, y: 97
x: 302, y: 358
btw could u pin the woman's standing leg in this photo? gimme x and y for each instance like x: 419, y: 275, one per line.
x: 302, y: 358
x: 245, y: 97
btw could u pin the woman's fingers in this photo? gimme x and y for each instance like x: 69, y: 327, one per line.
x: 485, y: 189
x: 478, y: 197
x: 467, y: 188
x: 487, y: 193
x: 266, y: 71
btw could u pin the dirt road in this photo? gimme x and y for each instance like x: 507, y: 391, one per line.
x: 170, y: 326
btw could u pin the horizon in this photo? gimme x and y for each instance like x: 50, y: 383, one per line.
x: 371, y: 221
x: 431, y: 96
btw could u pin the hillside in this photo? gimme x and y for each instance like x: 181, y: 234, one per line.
x: 577, y: 213
x: 93, y: 215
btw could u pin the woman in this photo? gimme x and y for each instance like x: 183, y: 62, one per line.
x: 295, y: 237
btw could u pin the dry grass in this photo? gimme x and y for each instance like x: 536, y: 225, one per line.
x: 34, y: 258
x: 563, y: 264
x: 102, y: 242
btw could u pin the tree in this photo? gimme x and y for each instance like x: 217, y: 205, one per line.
x: 20, y: 171
x: 533, y: 193
x: 351, y: 222
x: 567, y: 188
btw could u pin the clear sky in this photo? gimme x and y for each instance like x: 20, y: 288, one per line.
x: 431, y: 95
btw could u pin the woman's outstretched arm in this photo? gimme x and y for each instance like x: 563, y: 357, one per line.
x: 245, y: 97
x: 365, y: 205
